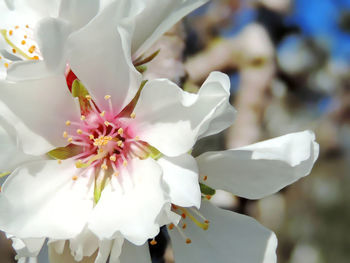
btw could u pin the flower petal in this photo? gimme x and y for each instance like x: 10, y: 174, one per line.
x: 83, y: 245
x: 230, y: 238
x: 263, y: 168
x: 40, y: 125
x: 58, y: 210
x: 132, y: 253
x: 66, y: 256
x: 137, y: 202
x: 173, y: 124
x: 157, y: 18
x: 29, y: 247
x: 105, y: 68
x: 181, y: 175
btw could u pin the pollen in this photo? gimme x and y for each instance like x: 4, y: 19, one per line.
x: 171, y: 226
x: 27, y: 26
x: 14, y: 50
x: 188, y: 241
x: 133, y: 115
x: 91, y: 136
x: 107, y: 97
x: 59, y: 161
x: 74, y: 178
x: 119, y: 143
x: 79, y: 131
x: 65, y: 134
x: 23, y: 42
x: 104, y: 166
x: 88, y: 97
x: 205, y: 178
x: 208, y: 197
x: 31, y: 49
x: 102, y: 114
x: 153, y: 242
x: 16, y: 27
x: 184, y: 226
x: 125, y: 163
x: 6, y: 65
x: 11, y: 32
x: 25, y: 36
x: 107, y: 123
x: 70, y: 139
x: 68, y: 123
x: 120, y: 131
x: 116, y: 173
x: 36, y: 58
x: 82, y: 117
x: 137, y: 138
x: 113, y: 158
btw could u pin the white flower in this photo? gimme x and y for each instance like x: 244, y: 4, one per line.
x: 125, y: 165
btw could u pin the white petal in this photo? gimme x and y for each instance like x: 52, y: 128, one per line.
x: 230, y: 238
x: 41, y: 106
x: 157, y: 18
x: 132, y: 253
x: 132, y: 207
x: 105, y: 68
x: 52, y: 34
x: 28, y: 70
x: 171, y: 119
x: 83, y: 245
x: 66, y: 256
x: 181, y: 175
x: 104, y: 251
x: 50, y: 203
x: 78, y: 12
x: 116, y: 250
x: 29, y: 247
x: 263, y: 168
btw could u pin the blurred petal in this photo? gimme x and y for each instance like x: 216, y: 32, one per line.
x: 181, y: 175
x: 157, y: 18
x: 137, y: 201
x: 66, y: 256
x: 105, y: 68
x: 132, y: 253
x: 59, y: 210
x: 50, y: 105
x: 263, y: 168
x: 173, y: 124
x: 29, y: 247
x: 230, y: 238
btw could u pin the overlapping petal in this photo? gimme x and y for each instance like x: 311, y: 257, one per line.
x: 131, y: 253
x: 40, y: 199
x: 174, y: 123
x: 263, y: 168
x: 39, y: 109
x: 105, y: 67
x: 230, y: 238
x: 131, y: 204
x: 181, y: 175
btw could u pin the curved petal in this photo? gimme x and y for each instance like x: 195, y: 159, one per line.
x: 28, y: 70
x: 83, y: 245
x: 29, y: 247
x: 50, y: 203
x: 157, y: 18
x: 40, y: 109
x: 263, y: 168
x: 181, y: 175
x: 106, y: 69
x: 131, y: 253
x: 171, y: 119
x: 137, y: 198
x: 66, y: 256
x: 230, y: 238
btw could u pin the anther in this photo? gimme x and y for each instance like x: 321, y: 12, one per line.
x: 184, y: 226
x: 65, y: 134
x: 188, y: 241
x: 14, y: 51
x: 6, y: 65
x: 107, y: 123
x: 59, y: 161
x: 10, y: 32
x: 70, y: 139
x: 205, y: 178
x: 23, y: 42
x: 137, y: 138
x: 125, y: 163
x: 120, y: 143
x: 208, y: 197
x: 79, y: 131
x: 88, y: 97
x: 104, y: 166
x: 74, y: 178
x: 120, y: 131
x: 133, y: 115
x: 102, y: 114
x: 31, y: 49
x: 116, y: 173
x: 113, y: 158
x: 82, y: 117
x: 153, y: 242
x: 91, y: 136
x: 68, y: 123
x: 171, y: 226
x: 183, y: 215
x: 107, y: 97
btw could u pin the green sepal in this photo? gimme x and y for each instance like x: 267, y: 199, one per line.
x: 206, y: 190
x: 141, y: 61
x: 63, y: 153
x: 79, y: 91
x: 4, y: 174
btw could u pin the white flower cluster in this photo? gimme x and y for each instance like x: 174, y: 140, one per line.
x: 97, y: 159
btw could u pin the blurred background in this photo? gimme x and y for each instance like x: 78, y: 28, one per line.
x: 289, y: 65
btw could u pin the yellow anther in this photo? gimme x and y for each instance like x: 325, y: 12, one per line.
x: 6, y: 65
x: 23, y: 42
x: 79, y: 131
x: 137, y: 138
x: 25, y: 36
x: 27, y: 26
x: 120, y: 131
x: 153, y: 242
x: 125, y: 163
x: 68, y: 123
x: 119, y: 143
x: 184, y: 226
x: 74, y: 178
x: 107, y: 97
x: 88, y: 97
x: 116, y: 173
x: 91, y: 136
x: 16, y: 27
x: 65, y: 134
x: 70, y: 139
x: 102, y: 113
x: 113, y: 158
x: 35, y: 58
x: 188, y: 241
x: 82, y: 117
x: 171, y: 226
x: 14, y: 51
x: 102, y: 140
x: 104, y: 166
x: 11, y: 32
x: 133, y: 115
x: 31, y: 49
x: 59, y: 161
x: 107, y: 123
x: 205, y: 178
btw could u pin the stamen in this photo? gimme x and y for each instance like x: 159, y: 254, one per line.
x: 79, y: 131
x: 113, y: 158
x: 171, y: 226
x: 133, y: 115
x: 88, y: 97
x: 187, y: 240
x: 107, y: 97
x: 120, y: 131
x: 68, y: 123
x: 65, y: 135
x: 74, y: 178
x: 204, y: 225
x: 82, y: 117
x: 153, y: 242
x: 102, y: 114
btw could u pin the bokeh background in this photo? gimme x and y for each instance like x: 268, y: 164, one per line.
x: 289, y: 65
